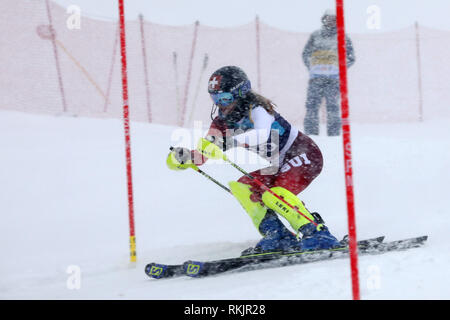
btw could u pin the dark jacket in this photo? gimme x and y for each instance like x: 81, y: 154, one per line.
x: 320, y: 53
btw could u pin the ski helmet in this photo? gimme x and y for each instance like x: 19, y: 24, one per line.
x: 228, y: 84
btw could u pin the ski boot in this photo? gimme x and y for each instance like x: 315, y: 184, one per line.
x: 276, y: 236
x: 317, y: 237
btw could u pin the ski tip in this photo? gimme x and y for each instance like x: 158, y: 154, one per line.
x: 417, y: 240
x: 345, y: 240
x: 155, y: 270
x: 193, y: 268
x: 423, y: 238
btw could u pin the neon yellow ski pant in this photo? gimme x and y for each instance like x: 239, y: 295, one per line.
x: 257, y: 211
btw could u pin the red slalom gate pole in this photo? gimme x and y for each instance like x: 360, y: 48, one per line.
x: 126, y: 122
x: 347, y: 148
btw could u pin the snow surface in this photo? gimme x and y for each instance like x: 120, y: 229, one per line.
x: 63, y: 203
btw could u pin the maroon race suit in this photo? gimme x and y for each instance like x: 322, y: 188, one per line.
x: 294, y: 157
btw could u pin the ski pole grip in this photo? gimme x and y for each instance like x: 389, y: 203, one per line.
x: 210, y: 150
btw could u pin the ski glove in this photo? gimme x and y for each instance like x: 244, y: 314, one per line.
x: 224, y: 142
x: 179, y: 159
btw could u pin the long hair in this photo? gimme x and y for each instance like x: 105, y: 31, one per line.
x: 245, y: 106
x: 253, y: 100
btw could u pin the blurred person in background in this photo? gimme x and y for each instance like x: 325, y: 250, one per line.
x: 321, y: 58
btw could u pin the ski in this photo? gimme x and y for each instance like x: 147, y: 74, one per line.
x: 158, y: 271
x: 262, y: 261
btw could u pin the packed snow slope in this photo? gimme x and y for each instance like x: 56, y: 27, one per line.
x: 63, y: 207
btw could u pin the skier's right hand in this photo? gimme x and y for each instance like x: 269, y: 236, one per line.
x: 179, y: 158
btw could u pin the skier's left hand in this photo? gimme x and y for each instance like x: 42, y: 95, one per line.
x: 179, y: 159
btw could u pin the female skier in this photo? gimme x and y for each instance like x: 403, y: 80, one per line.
x: 247, y: 119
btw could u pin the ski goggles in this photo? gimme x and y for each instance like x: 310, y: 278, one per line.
x: 223, y: 99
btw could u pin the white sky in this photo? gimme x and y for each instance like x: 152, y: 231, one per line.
x: 293, y: 15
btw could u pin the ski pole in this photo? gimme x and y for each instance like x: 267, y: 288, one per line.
x: 194, y: 167
x: 211, y: 150
x: 207, y: 176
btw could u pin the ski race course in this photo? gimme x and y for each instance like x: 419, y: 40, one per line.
x: 64, y: 215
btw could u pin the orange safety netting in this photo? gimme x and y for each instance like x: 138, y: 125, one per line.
x: 50, y: 68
